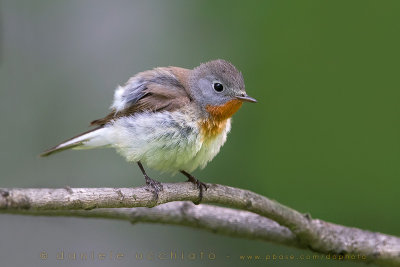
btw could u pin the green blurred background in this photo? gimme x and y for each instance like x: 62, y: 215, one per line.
x: 324, y: 137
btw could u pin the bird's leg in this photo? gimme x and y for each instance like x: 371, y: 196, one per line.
x: 200, y: 185
x: 156, y: 185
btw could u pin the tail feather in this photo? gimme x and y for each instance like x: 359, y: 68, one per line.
x: 74, y: 142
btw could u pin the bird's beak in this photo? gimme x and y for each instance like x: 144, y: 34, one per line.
x: 246, y: 98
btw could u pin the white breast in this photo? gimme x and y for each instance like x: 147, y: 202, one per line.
x: 166, y: 141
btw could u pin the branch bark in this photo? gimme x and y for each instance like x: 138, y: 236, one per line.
x: 215, y: 219
x: 292, y: 228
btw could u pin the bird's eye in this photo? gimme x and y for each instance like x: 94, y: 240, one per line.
x: 218, y: 87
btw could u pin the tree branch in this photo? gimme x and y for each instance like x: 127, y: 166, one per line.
x: 314, y: 234
x: 215, y: 219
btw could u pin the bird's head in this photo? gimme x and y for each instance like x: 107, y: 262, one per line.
x: 218, y: 88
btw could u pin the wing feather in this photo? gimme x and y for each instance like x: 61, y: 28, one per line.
x: 156, y: 90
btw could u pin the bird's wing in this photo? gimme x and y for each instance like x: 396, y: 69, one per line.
x: 160, y: 89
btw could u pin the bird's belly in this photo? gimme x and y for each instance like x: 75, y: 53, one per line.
x: 165, y: 141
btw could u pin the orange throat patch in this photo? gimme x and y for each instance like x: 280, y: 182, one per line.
x: 219, y: 115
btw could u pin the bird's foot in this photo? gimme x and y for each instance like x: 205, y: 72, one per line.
x: 200, y: 185
x: 156, y: 186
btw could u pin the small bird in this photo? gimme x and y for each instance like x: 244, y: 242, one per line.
x: 170, y: 118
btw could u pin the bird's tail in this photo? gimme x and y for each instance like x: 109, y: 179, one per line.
x: 93, y: 138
